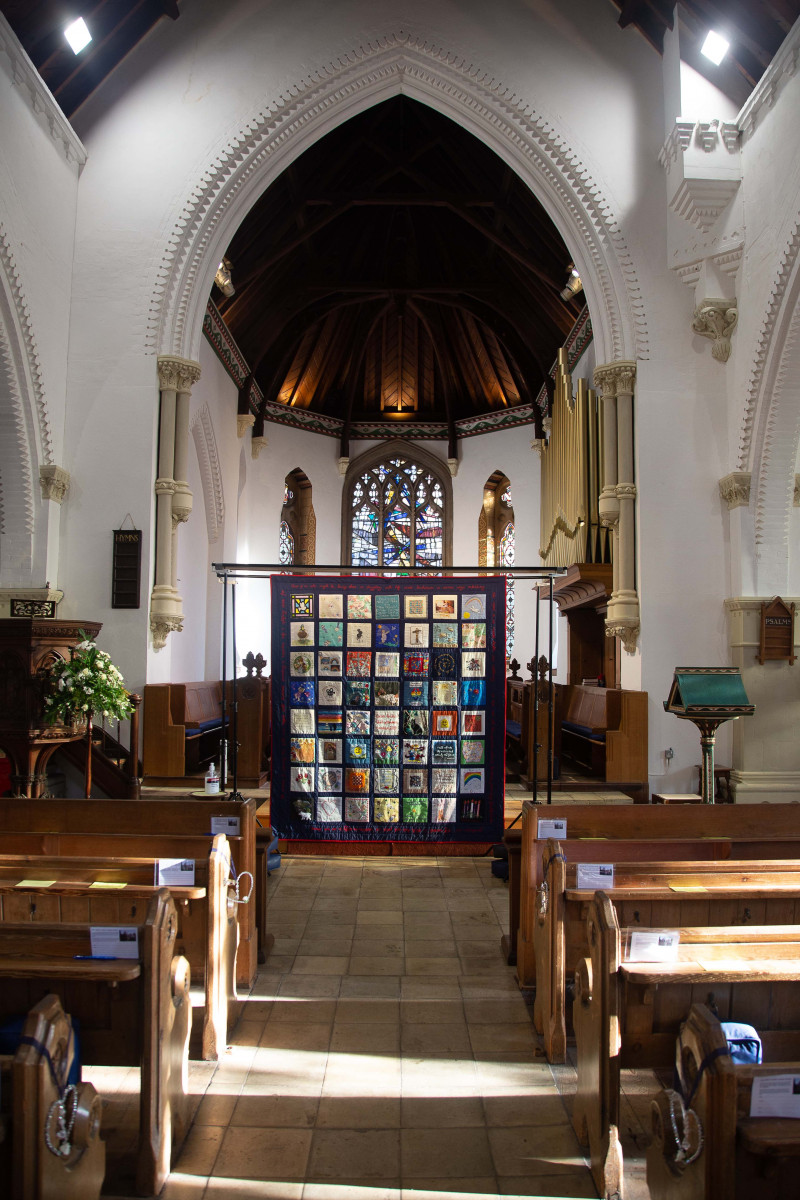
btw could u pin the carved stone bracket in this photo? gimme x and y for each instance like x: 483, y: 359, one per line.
x: 716, y: 319
x: 627, y: 630
x: 735, y: 489
x: 344, y: 463
x: 452, y: 465
x: 161, y: 627
x: 54, y: 482
x: 536, y: 446
x: 244, y: 421
x: 257, y: 444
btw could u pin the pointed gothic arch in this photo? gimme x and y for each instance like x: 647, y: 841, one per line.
x: 398, y: 65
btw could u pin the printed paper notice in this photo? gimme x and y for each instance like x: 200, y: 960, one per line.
x: 549, y: 828
x: 775, y: 1096
x: 175, y: 872
x: 102, y: 886
x: 687, y: 887
x: 34, y: 883
x: 595, y: 876
x: 227, y: 825
x: 115, y: 941
x: 653, y: 945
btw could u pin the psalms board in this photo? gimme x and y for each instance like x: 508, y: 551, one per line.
x: 388, y: 709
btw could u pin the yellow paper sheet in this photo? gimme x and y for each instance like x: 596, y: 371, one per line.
x: 39, y: 883
x: 109, y: 887
x: 687, y: 887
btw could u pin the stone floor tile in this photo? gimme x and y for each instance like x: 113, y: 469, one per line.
x: 449, y: 1189
x: 419, y: 987
x: 374, y: 947
x: 215, y: 1110
x: 370, y: 987
x: 358, y: 1010
x: 458, y: 1110
x: 538, y: 1108
x: 319, y: 986
x: 373, y: 1038
x: 304, y: 1035
x: 267, y: 1111
x: 377, y: 964
x: 574, y: 1185
x: 433, y: 966
x: 247, y: 1153
x: 200, y: 1150
x: 338, y: 1154
x: 379, y: 916
x: 319, y: 964
x: 462, y: 1153
x: 535, y: 1150
x: 434, y: 1011
x: 441, y: 947
x: 359, y: 1112
x: 252, y: 1189
x: 440, y: 1037
x: 352, y: 1191
x: 515, y: 1038
x: 495, y: 1011
x: 296, y: 1010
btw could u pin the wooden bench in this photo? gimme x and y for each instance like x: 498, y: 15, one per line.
x: 132, y: 1012
x: 628, y: 1014
x: 742, y: 1157
x: 645, y: 895
x: 604, y: 730
x: 183, y: 727
x: 28, y: 1089
x: 631, y: 833
x: 157, y: 828
x: 100, y: 892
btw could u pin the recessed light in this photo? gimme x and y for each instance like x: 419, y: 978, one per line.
x: 77, y: 34
x: 715, y: 47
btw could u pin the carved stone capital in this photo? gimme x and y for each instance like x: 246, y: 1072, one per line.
x: 164, y: 486
x: 343, y: 463
x: 627, y: 630
x: 735, y: 489
x: 615, y: 378
x: 244, y: 421
x: 177, y: 374
x: 537, y: 445
x: 452, y: 465
x: 161, y: 627
x: 257, y: 444
x: 626, y: 491
x: 547, y: 426
x: 54, y: 482
x: 716, y: 319
x: 608, y: 507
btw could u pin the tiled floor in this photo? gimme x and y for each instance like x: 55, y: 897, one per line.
x: 385, y: 1051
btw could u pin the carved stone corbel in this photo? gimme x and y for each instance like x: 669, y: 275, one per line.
x: 244, y: 421
x: 162, y: 626
x: 537, y: 445
x: 344, y: 463
x: 627, y: 630
x: 452, y: 466
x: 716, y: 319
x: 257, y: 444
x: 54, y: 482
x: 735, y: 489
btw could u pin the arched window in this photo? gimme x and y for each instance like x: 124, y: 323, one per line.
x: 298, y: 528
x: 397, y: 510
x: 497, y: 540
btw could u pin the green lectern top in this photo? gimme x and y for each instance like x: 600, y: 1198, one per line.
x: 708, y: 692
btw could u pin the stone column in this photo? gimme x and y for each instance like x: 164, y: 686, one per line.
x: 618, y: 497
x: 173, y: 497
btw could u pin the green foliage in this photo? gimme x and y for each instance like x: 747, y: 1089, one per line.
x: 88, y: 683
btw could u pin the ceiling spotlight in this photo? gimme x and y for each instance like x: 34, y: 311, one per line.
x: 223, y: 278
x: 715, y: 47
x: 77, y: 34
x: 574, y: 284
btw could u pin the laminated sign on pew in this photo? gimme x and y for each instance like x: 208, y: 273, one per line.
x: 175, y: 872
x: 227, y: 825
x: 775, y: 1096
x: 652, y: 945
x: 114, y: 941
x: 551, y: 828
x: 594, y: 877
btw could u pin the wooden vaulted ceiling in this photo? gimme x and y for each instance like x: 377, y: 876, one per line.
x: 398, y: 269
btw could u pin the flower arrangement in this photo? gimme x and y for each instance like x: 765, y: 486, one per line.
x: 89, y: 684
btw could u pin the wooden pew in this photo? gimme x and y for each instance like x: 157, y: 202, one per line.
x: 28, y: 1089
x: 628, y: 1014
x: 132, y: 1012
x: 605, y: 731
x: 631, y: 833
x: 742, y: 1157
x: 207, y: 924
x: 733, y: 892
x: 158, y: 828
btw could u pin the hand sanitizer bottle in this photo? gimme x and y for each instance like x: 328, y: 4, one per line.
x: 212, y: 781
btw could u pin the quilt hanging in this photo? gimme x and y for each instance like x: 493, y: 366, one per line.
x: 388, y: 708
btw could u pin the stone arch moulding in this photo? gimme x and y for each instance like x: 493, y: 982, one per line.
x: 25, y: 441
x: 770, y: 423
x: 398, y: 64
x: 205, y: 443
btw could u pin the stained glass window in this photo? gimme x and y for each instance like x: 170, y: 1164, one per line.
x: 285, y: 545
x: 397, y: 516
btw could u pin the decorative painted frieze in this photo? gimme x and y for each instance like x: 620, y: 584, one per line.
x: 735, y: 489
x: 716, y: 319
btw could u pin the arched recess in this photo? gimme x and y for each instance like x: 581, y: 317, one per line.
x: 430, y: 500
x: 497, y: 540
x: 399, y: 65
x: 24, y: 428
x: 205, y: 443
x: 299, y: 519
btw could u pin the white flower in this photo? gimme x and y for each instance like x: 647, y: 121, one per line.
x: 85, y: 707
x: 61, y: 684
